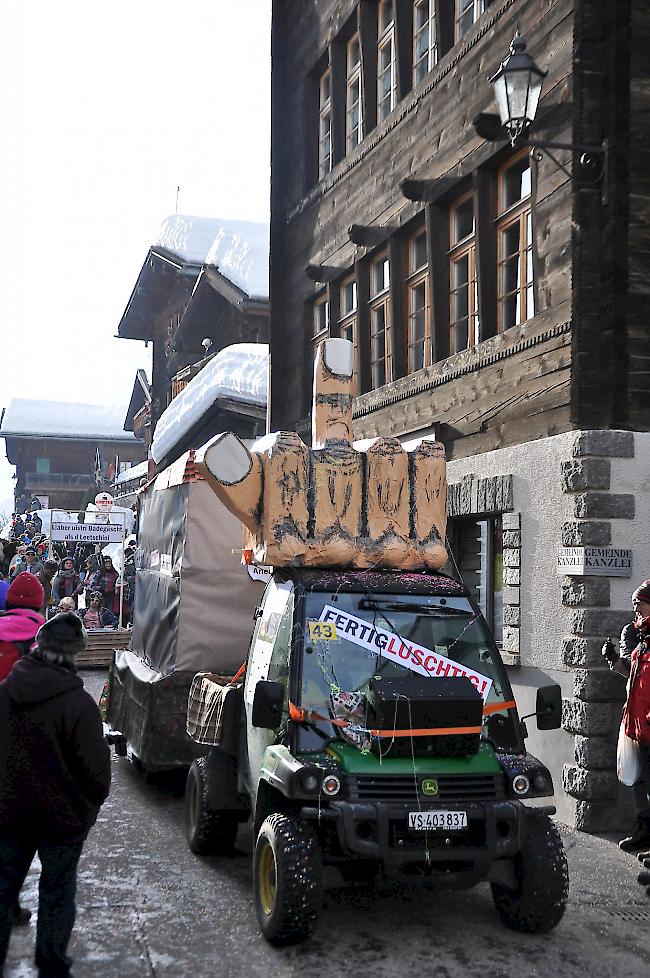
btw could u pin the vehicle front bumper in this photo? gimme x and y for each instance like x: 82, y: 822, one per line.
x: 379, y: 831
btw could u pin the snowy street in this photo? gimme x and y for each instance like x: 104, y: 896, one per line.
x: 148, y: 907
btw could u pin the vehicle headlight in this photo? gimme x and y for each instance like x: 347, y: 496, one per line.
x: 541, y: 782
x: 309, y: 780
x: 331, y: 785
x: 520, y: 785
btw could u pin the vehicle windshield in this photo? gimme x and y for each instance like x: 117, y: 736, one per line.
x: 352, y: 637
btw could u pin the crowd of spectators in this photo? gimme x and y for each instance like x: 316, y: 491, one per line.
x: 66, y: 571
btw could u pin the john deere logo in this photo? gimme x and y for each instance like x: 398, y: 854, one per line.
x: 430, y: 786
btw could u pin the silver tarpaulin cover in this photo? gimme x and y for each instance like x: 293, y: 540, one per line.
x: 194, y: 600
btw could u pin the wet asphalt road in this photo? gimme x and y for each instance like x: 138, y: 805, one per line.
x: 148, y: 907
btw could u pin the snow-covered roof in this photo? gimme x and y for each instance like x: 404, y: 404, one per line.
x: 239, y: 249
x: 239, y: 372
x: 60, y: 419
x: 134, y: 472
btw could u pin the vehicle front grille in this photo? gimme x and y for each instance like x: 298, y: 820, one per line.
x: 408, y: 788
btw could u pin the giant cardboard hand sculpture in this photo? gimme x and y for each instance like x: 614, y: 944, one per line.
x: 381, y: 504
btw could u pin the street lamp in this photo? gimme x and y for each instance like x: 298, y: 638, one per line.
x: 517, y: 88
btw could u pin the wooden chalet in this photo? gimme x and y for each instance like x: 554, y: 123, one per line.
x: 65, y: 453
x: 203, y: 286
x: 495, y: 296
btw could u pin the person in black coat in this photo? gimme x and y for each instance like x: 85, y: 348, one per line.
x: 54, y: 777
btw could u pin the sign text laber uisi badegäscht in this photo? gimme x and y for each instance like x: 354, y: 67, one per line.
x: 74, y: 532
x: 426, y: 662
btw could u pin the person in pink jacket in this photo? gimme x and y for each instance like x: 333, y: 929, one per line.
x: 20, y: 621
x: 18, y: 626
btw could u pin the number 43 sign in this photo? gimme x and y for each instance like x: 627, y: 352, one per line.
x: 324, y: 630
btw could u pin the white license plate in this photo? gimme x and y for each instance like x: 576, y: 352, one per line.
x: 449, y: 821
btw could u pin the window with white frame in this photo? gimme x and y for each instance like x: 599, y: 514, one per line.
x: 463, y: 280
x: 425, y: 49
x: 325, y: 125
x: 354, y: 105
x: 381, y: 369
x: 467, y: 13
x: 386, y: 73
x: 419, y: 318
x: 349, y: 323
x: 515, y: 243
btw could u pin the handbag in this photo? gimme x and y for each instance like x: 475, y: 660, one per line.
x: 628, y: 759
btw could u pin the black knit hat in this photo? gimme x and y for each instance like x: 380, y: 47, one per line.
x: 64, y: 635
x: 642, y: 593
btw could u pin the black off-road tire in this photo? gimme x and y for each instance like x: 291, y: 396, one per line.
x: 538, y: 903
x: 288, y: 851
x: 208, y: 832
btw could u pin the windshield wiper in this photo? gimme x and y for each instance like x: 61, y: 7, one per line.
x: 434, y: 611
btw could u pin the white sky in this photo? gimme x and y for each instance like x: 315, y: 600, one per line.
x: 104, y: 110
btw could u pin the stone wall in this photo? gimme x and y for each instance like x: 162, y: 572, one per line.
x: 592, y: 715
x: 586, y: 488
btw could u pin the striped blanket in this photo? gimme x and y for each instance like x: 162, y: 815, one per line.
x: 206, y: 702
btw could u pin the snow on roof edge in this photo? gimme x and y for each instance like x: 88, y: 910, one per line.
x: 238, y: 249
x: 239, y: 372
x: 61, y: 419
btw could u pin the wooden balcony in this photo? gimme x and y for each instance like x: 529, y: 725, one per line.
x: 41, y: 481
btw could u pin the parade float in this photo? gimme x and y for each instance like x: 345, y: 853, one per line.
x: 371, y: 726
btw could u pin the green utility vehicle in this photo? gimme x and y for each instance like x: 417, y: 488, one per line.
x: 375, y: 731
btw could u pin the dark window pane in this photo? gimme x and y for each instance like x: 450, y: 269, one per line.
x: 460, y: 272
x: 463, y: 221
x: 380, y: 276
x: 510, y: 240
x: 465, y: 22
x: 418, y: 302
x: 510, y: 276
x: 509, y: 310
x: 378, y: 330
x: 461, y: 304
x: 325, y: 90
x: 419, y: 252
x: 386, y: 15
x: 421, y: 15
x: 348, y: 297
x: 320, y: 317
x: 459, y: 336
x: 417, y: 357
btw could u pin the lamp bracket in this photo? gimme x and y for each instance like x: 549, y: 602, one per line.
x: 593, y: 161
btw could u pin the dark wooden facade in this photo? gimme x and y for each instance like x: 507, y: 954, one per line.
x: 581, y: 361
x: 71, y: 478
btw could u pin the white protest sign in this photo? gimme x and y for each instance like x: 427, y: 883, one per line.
x: 75, y: 532
x: 394, y: 647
